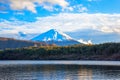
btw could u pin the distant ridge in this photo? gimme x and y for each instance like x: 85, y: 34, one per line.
x: 11, y: 43
x: 55, y: 37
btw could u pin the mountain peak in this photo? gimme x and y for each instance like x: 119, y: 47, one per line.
x: 53, y: 30
x: 52, y: 35
x: 55, y: 37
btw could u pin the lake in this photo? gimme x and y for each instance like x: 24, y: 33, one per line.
x: 59, y: 70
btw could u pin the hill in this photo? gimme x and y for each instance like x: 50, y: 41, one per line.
x: 11, y: 43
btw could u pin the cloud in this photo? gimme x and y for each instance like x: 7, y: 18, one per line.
x: 66, y: 22
x: 79, y: 8
x: 89, y: 0
x: 85, y: 42
x: 83, y: 9
x: 32, y: 4
x: 45, y: 4
x: 26, y: 4
x: 93, y: 0
x: 19, y: 13
x: 95, y: 36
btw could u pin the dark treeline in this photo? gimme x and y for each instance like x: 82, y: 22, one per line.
x: 106, y: 51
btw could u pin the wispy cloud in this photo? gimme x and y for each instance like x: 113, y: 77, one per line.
x: 93, y: 0
x: 68, y: 22
x: 79, y: 8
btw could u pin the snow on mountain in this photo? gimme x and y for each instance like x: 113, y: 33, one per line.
x: 52, y: 35
x: 55, y: 37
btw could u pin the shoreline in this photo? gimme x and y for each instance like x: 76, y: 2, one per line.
x: 59, y: 62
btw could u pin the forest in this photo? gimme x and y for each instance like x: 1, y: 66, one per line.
x: 106, y: 51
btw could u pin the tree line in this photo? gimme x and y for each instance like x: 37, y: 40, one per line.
x: 106, y: 51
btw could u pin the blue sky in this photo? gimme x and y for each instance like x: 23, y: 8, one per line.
x: 37, y: 16
x: 9, y: 8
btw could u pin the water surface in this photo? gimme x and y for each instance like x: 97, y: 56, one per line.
x: 45, y: 70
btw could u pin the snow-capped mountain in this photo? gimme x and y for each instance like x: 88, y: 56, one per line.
x: 55, y: 37
x: 52, y: 35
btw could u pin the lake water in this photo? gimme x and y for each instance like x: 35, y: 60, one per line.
x: 59, y: 70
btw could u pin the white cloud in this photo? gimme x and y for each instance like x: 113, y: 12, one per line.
x: 70, y: 8
x: 19, y: 13
x: 85, y: 42
x: 32, y: 4
x: 26, y: 4
x: 66, y: 22
x: 83, y: 9
x: 93, y: 0
x: 89, y: 0
x: 80, y: 8
x: 76, y: 8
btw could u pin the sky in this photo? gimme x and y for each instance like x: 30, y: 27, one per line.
x: 96, y: 20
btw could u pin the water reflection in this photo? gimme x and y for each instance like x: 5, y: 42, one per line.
x: 59, y: 72
x: 85, y: 74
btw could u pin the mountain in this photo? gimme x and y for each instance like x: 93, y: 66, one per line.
x: 55, y: 37
x: 22, y: 34
x: 11, y: 43
x: 18, y: 35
